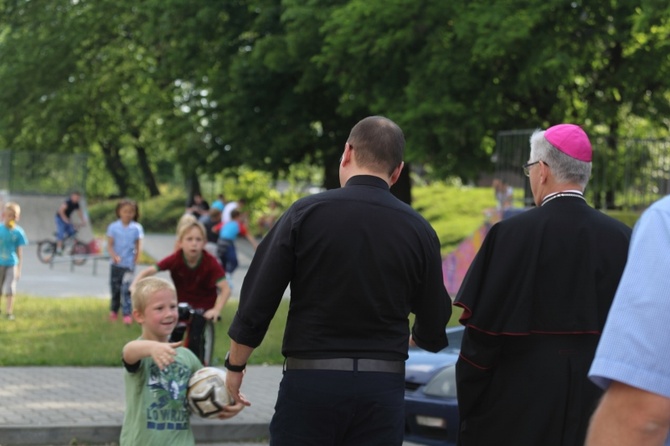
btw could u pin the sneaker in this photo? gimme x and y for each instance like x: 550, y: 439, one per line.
x: 113, y: 316
x: 10, y: 317
x: 127, y: 319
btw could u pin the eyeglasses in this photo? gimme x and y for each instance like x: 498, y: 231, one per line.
x: 526, y: 167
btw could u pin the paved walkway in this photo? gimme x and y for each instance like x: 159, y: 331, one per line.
x: 85, y: 405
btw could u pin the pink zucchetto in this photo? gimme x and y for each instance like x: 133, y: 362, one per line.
x: 571, y: 140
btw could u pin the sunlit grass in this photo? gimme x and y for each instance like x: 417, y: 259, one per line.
x: 76, y: 332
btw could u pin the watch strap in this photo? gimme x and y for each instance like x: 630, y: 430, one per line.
x: 231, y: 367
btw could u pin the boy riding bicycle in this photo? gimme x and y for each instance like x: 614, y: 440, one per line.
x: 198, y: 277
x: 64, y: 226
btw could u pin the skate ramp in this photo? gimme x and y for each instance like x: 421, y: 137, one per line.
x: 38, y: 215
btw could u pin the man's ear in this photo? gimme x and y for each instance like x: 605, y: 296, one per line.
x: 396, y: 173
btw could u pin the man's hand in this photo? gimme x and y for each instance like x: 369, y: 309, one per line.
x: 233, y: 384
x: 231, y: 410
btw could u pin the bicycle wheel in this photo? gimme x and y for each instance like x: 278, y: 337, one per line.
x: 79, y: 250
x: 208, y: 343
x: 46, y: 249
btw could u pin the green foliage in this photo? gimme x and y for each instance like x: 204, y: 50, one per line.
x: 627, y: 217
x: 177, y: 90
x: 158, y: 214
x: 455, y: 212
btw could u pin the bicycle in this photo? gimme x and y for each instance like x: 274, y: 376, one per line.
x: 203, y: 346
x: 75, y: 248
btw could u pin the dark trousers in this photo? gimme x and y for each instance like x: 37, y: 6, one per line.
x: 334, y: 408
x: 120, y: 279
x: 227, y: 255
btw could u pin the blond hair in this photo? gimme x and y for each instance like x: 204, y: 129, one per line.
x: 146, y: 288
x: 186, y: 224
x: 15, y: 209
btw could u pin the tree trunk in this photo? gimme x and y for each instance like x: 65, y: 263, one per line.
x: 115, y: 166
x: 147, y: 174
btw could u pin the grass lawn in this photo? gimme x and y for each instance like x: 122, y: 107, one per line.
x: 76, y: 332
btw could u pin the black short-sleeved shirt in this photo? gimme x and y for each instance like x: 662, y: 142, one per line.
x: 358, y: 261
x: 70, y: 207
x: 202, y: 206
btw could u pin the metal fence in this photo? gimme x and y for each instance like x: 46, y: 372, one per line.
x: 42, y: 173
x: 627, y: 174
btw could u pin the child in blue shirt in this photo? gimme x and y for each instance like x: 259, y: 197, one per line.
x: 124, y: 244
x: 12, y: 240
x: 229, y: 231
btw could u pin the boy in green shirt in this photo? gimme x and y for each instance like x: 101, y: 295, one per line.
x: 158, y: 372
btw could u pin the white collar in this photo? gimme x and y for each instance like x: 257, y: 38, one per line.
x: 563, y: 193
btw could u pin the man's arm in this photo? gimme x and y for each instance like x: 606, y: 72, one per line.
x: 61, y: 212
x: 629, y: 416
x: 239, y: 355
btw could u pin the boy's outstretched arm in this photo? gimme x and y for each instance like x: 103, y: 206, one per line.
x: 163, y: 353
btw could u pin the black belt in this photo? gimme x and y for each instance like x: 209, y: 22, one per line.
x: 346, y: 364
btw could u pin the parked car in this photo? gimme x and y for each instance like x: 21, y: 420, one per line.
x: 431, y: 408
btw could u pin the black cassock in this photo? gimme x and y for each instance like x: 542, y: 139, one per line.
x: 535, y: 301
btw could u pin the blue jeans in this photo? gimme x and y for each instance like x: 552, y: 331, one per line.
x: 335, y: 408
x: 227, y: 255
x: 120, y: 279
x: 63, y: 229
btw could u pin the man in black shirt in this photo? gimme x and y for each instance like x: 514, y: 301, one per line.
x: 358, y: 261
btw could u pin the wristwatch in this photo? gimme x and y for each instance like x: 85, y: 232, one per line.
x: 233, y: 368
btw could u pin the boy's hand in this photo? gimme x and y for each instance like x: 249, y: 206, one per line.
x: 212, y: 314
x: 163, y: 353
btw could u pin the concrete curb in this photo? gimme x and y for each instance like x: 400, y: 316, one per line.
x: 71, y: 435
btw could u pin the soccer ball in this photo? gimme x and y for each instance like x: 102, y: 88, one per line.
x: 207, y: 394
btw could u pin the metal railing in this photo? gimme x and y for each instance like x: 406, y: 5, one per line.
x: 627, y: 174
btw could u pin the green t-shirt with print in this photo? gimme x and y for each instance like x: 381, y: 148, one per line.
x: 157, y: 412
